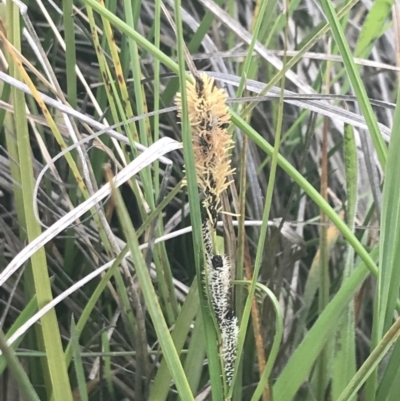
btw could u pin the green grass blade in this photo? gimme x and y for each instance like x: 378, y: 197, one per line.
x: 355, y: 80
x: 140, y: 100
x: 371, y: 362
x: 90, y: 305
x: 17, y: 370
x: 345, y: 358
x: 126, y: 29
x: 167, y: 345
x: 389, y: 273
x: 275, y: 345
x: 37, y: 274
x: 389, y: 385
x: 351, y: 166
x: 70, y: 52
x: 302, y: 360
x: 28, y: 311
x: 311, y: 286
x: 161, y: 385
x: 78, y: 365
x: 249, y: 57
x: 194, y: 361
x: 107, y: 365
x: 373, y: 26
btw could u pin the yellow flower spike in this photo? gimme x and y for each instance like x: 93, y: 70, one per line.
x: 209, y: 117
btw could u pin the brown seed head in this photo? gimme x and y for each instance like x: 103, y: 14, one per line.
x: 208, y: 117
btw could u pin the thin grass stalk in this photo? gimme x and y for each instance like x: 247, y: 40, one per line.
x: 263, y: 233
x: 389, y: 382
x: 372, y: 29
x: 344, y: 365
x: 243, y: 251
x: 55, y: 373
x: 276, y: 21
x: 144, y: 128
x: 193, y: 47
x: 105, y: 98
x: 128, y: 112
x: 323, y: 294
x: 163, y: 267
x: 106, y: 77
x: 28, y: 311
x: 376, y: 356
x: 21, y: 378
x: 389, y: 275
x: 10, y: 141
x: 103, y: 67
x: 260, y: 12
x: 196, y: 354
x: 255, y: 313
x: 70, y: 52
x: 243, y: 259
x: 156, y: 89
x: 108, y: 373
x: 265, y: 375
x: 355, y: 79
x: 78, y: 365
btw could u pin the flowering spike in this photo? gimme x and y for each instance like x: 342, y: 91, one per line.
x: 209, y: 118
x: 229, y: 333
